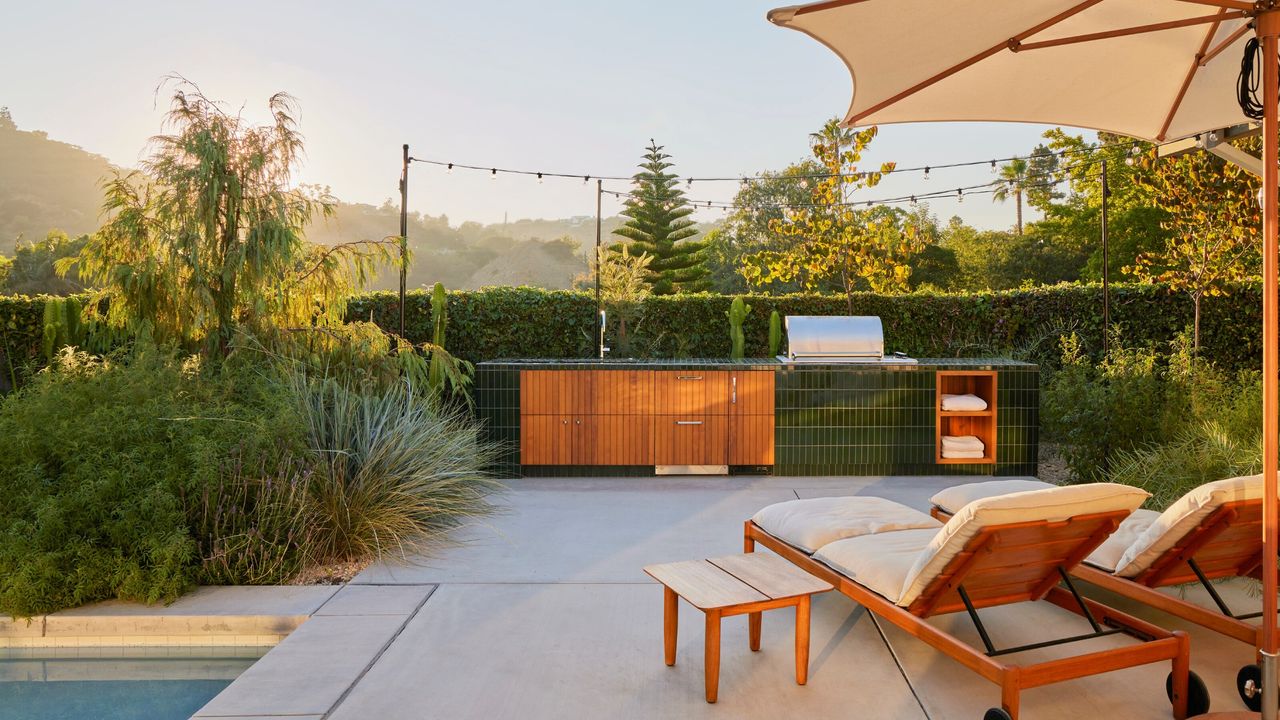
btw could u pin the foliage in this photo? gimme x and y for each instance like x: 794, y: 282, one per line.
x: 392, y: 469
x: 775, y: 333
x: 447, y: 376
x: 33, y: 269
x: 1014, y: 181
x: 211, y: 238
x: 624, y: 284
x: 96, y: 457
x: 737, y: 314
x: 1214, y: 223
x: 658, y: 225
x: 828, y: 238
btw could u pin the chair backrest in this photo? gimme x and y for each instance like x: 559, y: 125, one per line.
x: 1217, y: 523
x: 1227, y: 543
x: 1010, y: 548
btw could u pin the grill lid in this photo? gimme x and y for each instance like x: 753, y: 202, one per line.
x: 835, y: 337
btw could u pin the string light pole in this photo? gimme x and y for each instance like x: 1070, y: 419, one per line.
x: 404, y: 230
x: 599, y: 267
x: 1106, y: 263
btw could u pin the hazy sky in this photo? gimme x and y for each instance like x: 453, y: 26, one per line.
x: 560, y: 85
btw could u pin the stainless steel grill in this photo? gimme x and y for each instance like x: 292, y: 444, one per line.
x: 837, y: 339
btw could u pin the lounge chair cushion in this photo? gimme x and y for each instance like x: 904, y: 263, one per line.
x: 812, y: 523
x: 957, y: 496
x: 1052, y: 504
x: 1182, y: 517
x: 879, y: 562
x: 1108, y: 554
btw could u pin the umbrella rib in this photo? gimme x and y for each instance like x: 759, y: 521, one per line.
x: 1191, y: 74
x: 1135, y: 30
x: 1226, y: 43
x: 1227, y: 4
x: 1007, y: 45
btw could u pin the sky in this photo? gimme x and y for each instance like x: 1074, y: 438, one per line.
x: 576, y: 86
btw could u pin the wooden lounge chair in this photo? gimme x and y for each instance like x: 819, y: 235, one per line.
x: 1212, y: 532
x: 994, y: 552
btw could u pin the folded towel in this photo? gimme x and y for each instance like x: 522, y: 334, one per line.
x: 963, y: 454
x: 962, y: 442
x: 963, y: 403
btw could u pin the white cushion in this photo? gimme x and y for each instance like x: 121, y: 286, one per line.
x: 1181, y: 518
x: 1108, y: 554
x: 956, y: 497
x: 1052, y: 505
x: 879, y: 562
x: 812, y: 523
x: 963, y: 403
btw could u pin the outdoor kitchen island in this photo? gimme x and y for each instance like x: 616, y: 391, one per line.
x: 595, y: 417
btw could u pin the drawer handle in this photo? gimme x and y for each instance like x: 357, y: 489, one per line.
x: 688, y: 422
x: 734, y: 401
x: 689, y: 377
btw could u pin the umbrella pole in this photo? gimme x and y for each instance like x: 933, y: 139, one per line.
x: 1268, y: 30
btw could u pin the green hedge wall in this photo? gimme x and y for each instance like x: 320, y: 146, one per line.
x: 528, y: 322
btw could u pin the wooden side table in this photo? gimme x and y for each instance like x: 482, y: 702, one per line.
x: 736, y: 585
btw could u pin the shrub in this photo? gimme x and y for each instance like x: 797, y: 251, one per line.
x: 96, y: 457
x: 392, y: 470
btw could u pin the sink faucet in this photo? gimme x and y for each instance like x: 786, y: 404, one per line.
x: 603, y: 349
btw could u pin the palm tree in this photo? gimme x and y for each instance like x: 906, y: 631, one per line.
x: 1014, y: 179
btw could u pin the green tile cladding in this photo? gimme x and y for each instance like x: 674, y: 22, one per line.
x: 845, y: 419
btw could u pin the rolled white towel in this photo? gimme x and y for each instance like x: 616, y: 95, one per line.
x: 963, y: 403
x: 962, y: 442
x: 963, y: 454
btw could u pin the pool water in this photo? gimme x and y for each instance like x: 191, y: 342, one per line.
x: 124, y: 684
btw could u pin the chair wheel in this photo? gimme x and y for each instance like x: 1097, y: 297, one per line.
x: 1249, y: 685
x: 1197, y: 694
x: 997, y: 714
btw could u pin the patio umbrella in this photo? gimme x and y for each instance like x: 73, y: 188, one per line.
x: 1151, y: 69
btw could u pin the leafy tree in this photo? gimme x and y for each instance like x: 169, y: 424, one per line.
x: 211, y: 238
x: 829, y: 239
x: 33, y: 271
x: 1013, y: 182
x: 624, y: 284
x: 658, y: 213
x: 6, y: 119
x: 748, y: 229
x: 1214, y: 218
x: 1043, y: 170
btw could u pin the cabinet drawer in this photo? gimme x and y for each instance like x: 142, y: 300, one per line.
x: 691, y: 392
x: 690, y: 440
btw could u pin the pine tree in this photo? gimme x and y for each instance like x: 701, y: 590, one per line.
x: 658, y: 225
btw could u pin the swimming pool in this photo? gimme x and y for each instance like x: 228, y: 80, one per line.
x: 151, y: 683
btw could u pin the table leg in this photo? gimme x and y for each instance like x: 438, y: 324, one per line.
x: 802, y: 641
x: 753, y: 630
x: 670, y: 622
x: 712, y: 654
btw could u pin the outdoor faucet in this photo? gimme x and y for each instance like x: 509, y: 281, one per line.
x: 603, y: 349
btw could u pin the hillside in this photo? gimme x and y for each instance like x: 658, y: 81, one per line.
x: 47, y: 184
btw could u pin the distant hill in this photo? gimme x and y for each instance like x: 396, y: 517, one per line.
x: 47, y: 184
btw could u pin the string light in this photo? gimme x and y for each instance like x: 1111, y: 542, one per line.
x: 926, y: 172
x: 450, y: 169
x: 960, y: 195
x: 539, y: 178
x: 493, y: 174
x: 993, y: 167
x: 586, y: 179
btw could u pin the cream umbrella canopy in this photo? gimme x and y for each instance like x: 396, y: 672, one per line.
x: 1152, y: 69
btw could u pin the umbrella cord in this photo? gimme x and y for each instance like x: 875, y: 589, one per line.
x: 1249, y: 81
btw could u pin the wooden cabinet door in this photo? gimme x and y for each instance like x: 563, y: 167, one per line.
x: 556, y: 392
x: 751, y: 393
x: 690, y: 440
x: 544, y: 440
x: 622, y: 392
x: 751, y: 440
x: 623, y: 439
x: 691, y: 392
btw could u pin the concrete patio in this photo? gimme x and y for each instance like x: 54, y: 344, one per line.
x: 543, y: 612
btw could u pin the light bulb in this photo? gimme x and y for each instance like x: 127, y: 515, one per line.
x: 959, y: 195
x: 993, y: 167
x: 804, y: 184
x: 493, y: 173
x: 926, y: 172
x: 449, y: 169
x: 913, y: 199
x: 539, y: 178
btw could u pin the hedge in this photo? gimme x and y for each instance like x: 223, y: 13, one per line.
x: 528, y: 322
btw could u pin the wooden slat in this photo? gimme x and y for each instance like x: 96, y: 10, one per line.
x: 691, y: 392
x: 704, y: 585
x: 751, y: 439
x: 537, y: 446
x: 751, y: 393
x: 623, y: 439
x: 704, y: 443
x: 622, y: 392
x: 771, y: 575
x: 538, y: 392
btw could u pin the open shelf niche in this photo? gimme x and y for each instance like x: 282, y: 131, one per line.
x: 980, y: 424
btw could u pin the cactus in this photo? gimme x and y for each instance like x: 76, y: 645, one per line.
x: 439, y: 320
x: 737, y: 314
x: 62, y: 325
x: 775, y: 333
